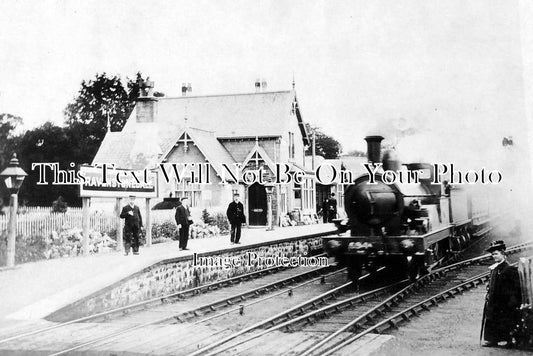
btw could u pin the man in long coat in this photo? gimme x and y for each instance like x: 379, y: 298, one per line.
x: 501, y: 313
x: 332, y: 208
x: 236, y: 217
x: 132, y: 225
x: 183, y: 219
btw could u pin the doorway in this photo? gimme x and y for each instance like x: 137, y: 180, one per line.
x: 257, y: 204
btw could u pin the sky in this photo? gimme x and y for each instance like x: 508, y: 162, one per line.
x: 439, y: 79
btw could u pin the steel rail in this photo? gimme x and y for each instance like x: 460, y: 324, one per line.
x: 259, y: 300
x: 184, y: 316
x: 179, y: 294
x: 279, y: 321
x: 425, y: 305
x: 192, y: 313
x: 394, y: 299
x: 159, y: 300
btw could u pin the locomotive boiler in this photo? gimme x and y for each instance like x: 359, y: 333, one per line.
x: 406, y: 227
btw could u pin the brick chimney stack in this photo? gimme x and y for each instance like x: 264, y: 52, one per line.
x: 146, y: 107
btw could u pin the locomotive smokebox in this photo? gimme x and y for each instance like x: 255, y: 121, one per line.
x: 373, y: 148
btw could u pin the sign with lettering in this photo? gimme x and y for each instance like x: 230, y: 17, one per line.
x: 106, y: 181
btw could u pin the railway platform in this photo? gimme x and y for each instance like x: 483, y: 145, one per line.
x: 36, y: 290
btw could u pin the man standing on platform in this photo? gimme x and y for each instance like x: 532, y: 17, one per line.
x: 132, y: 225
x: 501, y: 314
x: 236, y: 217
x: 332, y: 208
x: 183, y: 219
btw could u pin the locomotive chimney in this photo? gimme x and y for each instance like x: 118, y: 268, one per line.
x: 373, y: 148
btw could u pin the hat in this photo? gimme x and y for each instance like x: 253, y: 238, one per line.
x: 498, y: 245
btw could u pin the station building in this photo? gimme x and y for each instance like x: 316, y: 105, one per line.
x: 256, y: 130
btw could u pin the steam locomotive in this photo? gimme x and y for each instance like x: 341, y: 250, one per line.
x: 405, y: 227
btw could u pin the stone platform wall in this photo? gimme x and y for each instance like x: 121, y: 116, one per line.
x: 181, y: 273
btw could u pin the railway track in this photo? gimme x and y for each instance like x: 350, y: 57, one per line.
x: 190, y: 331
x: 173, y: 297
x: 235, y: 292
x: 334, y: 327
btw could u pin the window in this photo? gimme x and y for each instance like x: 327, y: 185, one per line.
x: 185, y: 139
x: 191, y: 190
x: 256, y: 161
x: 291, y: 145
x: 297, y: 196
x: 308, y: 194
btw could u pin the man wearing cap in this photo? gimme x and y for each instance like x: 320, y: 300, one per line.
x: 332, y: 208
x: 501, y: 313
x: 235, y: 214
x: 183, y: 220
x: 132, y: 225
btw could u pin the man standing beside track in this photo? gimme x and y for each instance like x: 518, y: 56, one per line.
x: 501, y: 314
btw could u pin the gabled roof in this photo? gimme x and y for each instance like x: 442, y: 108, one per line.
x: 206, y: 142
x: 265, y: 114
x: 264, y: 155
x: 301, y: 124
x: 133, y: 150
x: 237, y: 115
x: 115, y: 147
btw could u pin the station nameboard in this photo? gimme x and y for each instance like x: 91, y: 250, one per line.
x: 118, y: 182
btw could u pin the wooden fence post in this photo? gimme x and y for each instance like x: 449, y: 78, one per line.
x: 118, y: 209
x: 148, y: 223
x: 12, y: 230
x: 85, y: 225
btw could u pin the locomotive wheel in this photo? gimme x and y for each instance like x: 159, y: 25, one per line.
x: 354, y: 266
x: 397, y: 267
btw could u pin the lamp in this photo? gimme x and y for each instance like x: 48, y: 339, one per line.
x: 269, y: 188
x: 13, y: 176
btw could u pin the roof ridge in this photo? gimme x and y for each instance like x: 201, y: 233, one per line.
x: 215, y: 95
x: 198, y: 129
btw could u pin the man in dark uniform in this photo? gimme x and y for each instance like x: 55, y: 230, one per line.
x: 183, y: 219
x: 132, y: 225
x: 325, y: 210
x: 501, y: 313
x: 332, y: 208
x: 236, y: 217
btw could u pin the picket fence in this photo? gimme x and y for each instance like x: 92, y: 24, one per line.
x: 41, y: 221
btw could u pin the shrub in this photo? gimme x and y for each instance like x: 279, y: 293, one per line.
x: 202, y: 231
x: 221, y: 221
x: 66, y: 243
x: 164, y: 231
x: 59, y: 205
x: 206, y: 217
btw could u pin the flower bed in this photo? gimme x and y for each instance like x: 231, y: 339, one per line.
x: 66, y: 243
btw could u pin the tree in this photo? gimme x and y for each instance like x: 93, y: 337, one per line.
x: 8, y: 143
x: 47, y: 144
x: 325, y: 145
x: 87, y: 116
x: 8, y: 139
x: 98, y: 99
